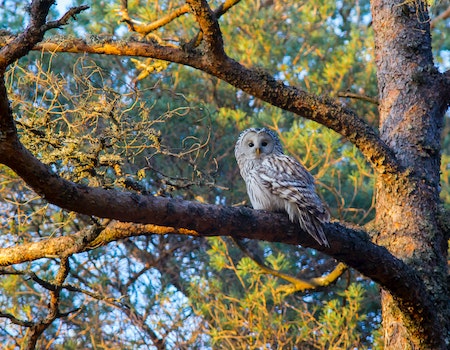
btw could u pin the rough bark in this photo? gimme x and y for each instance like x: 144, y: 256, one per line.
x: 413, y: 101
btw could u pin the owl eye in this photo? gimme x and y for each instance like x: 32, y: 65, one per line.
x: 251, y: 144
x: 264, y: 143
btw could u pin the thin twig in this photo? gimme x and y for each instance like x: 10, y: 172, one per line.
x: 358, y: 97
x: 16, y: 321
x: 71, y: 13
x: 442, y: 16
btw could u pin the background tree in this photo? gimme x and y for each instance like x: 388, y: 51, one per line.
x: 141, y: 141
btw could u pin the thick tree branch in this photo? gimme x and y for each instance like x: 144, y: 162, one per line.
x: 349, y: 246
x: 210, y: 28
x: 257, y: 83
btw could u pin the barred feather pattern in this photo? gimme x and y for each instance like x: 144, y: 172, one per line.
x: 277, y: 182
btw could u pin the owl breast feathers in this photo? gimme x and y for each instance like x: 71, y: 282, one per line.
x: 277, y: 182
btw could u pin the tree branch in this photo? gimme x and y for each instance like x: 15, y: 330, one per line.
x: 34, y: 32
x: 442, y: 16
x: 15, y: 320
x: 214, y: 61
x: 350, y: 246
x: 348, y: 94
x: 210, y: 29
x: 296, y: 284
x: 145, y: 29
x: 254, y: 82
x: 36, y: 330
x: 71, y: 13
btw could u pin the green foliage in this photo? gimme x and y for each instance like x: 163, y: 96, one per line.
x: 244, y: 309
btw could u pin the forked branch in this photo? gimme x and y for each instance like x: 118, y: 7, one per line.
x: 34, y: 32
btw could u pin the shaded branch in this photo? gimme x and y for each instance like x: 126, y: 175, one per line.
x: 36, y: 330
x: 15, y: 320
x: 441, y: 17
x: 34, y: 33
x: 71, y: 13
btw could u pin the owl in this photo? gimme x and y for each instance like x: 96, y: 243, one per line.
x: 277, y: 182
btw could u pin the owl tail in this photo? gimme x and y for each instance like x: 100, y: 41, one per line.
x: 313, y: 226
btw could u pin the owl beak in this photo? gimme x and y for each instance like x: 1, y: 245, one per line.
x: 258, y: 151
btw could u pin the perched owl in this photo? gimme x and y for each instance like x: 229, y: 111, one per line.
x: 277, y: 182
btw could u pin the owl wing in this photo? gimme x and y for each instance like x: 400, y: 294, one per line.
x: 288, y: 179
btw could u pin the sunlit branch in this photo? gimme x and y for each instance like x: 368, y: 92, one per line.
x: 257, y: 83
x: 61, y: 246
x: 145, y: 29
x: 296, y: 284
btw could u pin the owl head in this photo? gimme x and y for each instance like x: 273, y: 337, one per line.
x: 255, y: 143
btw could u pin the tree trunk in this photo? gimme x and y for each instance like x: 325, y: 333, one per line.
x: 412, y: 108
